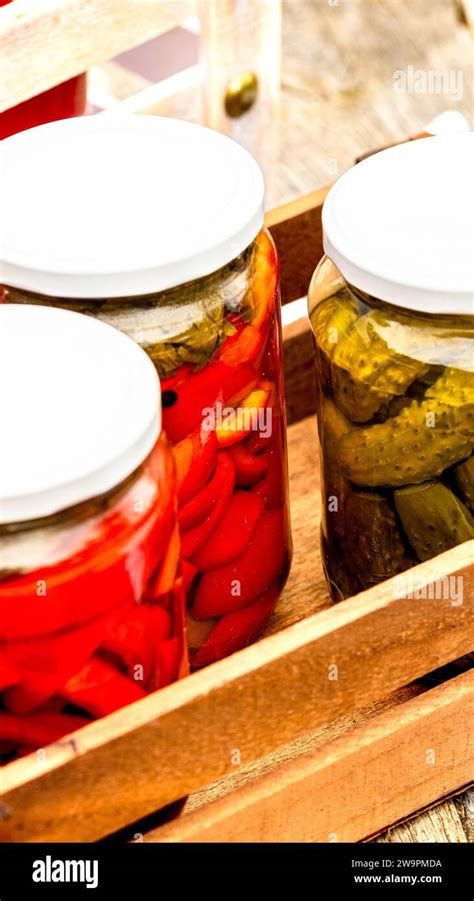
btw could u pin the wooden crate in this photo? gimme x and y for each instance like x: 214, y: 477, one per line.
x: 267, y: 744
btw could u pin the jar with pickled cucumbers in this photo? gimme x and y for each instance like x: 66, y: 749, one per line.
x: 160, y: 234
x: 62, y: 101
x: 92, y: 611
x: 392, y: 315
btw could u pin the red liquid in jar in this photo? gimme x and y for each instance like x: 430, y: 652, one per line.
x: 227, y: 424
x: 102, y: 623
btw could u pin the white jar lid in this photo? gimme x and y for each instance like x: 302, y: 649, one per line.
x: 111, y: 206
x: 400, y: 225
x: 80, y: 409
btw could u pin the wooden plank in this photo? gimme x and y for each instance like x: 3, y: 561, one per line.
x: 306, y: 591
x: 465, y: 807
x: 350, y: 788
x: 235, y: 38
x: 45, y: 43
x: 296, y: 229
x: 248, y: 773
x: 300, y: 381
x: 440, y: 824
x: 307, y: 743
x: 185, y: 736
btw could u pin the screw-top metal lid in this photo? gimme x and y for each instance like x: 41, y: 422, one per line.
x: 400, y: 225
x: 80, y: 409
x: 113, y: 206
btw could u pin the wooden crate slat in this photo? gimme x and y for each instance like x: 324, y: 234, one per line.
x: 350, y: 789
x: 300, y: 380
x: 296, y: 229
x: 182, y: 738
x: 46, y: 42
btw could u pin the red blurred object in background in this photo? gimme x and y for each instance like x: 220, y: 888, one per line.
x: 61, y: 102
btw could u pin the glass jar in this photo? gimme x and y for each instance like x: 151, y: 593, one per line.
x: 208, y: 315
x: 391, y: 309
x: 61, y: 102
x: 91, y: 597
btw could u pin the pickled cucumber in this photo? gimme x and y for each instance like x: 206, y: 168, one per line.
x: 433, y: 518
x: 332, y: 424
x: 368, y: 372
x: 423, y: 440
x: 341, y: 581
x: 375, y: 547
x: 331, y: 320
x: 464, y: 475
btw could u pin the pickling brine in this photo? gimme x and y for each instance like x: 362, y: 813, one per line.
x: 396, y: 430
x: 392, y: 315
x: 215, y: 340
x: 91, y: 595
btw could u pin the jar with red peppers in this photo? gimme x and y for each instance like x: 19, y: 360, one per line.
x: 91, y: 597
x: 155, y: 226
x: 61, y: 102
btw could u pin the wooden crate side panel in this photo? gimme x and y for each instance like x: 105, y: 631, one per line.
x: 300, y: 380
x: 44, y: 43
x: 296, y: 230
x: 183, y: 738
x: 348, y: 790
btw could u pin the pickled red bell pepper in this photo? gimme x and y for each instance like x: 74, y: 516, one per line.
x: 201, y: 391
x: 272, y: 487
x: 100, y: 688
x: 224, y: 478
x: 228, y: 588
x: 195, y: 460
x: 8, y: 674
x: 38, y: 729
x: 134, y: 638
x: 256, y: 443
x: 72, y: 595
x: 45, y: 664
x: 236, y: 630
x: 264, y: 281
x: 167, y: 573
x: 249, y: 468
x: 167, y: 658
x: 200, y: 506
x: 189, y: 574
x: 241, y: 422
x: 233, y: 532
x: 244, y: 347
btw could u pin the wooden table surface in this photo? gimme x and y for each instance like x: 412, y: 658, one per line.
x: 340, y: 59
x: 339, y: 66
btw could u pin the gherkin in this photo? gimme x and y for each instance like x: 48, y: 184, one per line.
x: 420, y: 443
x: 375, y: 547
x: 332, y: 424
x: 341, y: 581
x: 331, y: 320
x: 464, y: 475
x: 368, y: 372
x: 433, y: 518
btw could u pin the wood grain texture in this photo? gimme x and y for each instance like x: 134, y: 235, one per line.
x: 183, y: 737
x: 300, y: 380
x: 350, y: 787
x: 442, y: 823
x: 45, y: 43
x: 296, y: 230
x: 338, y: 99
